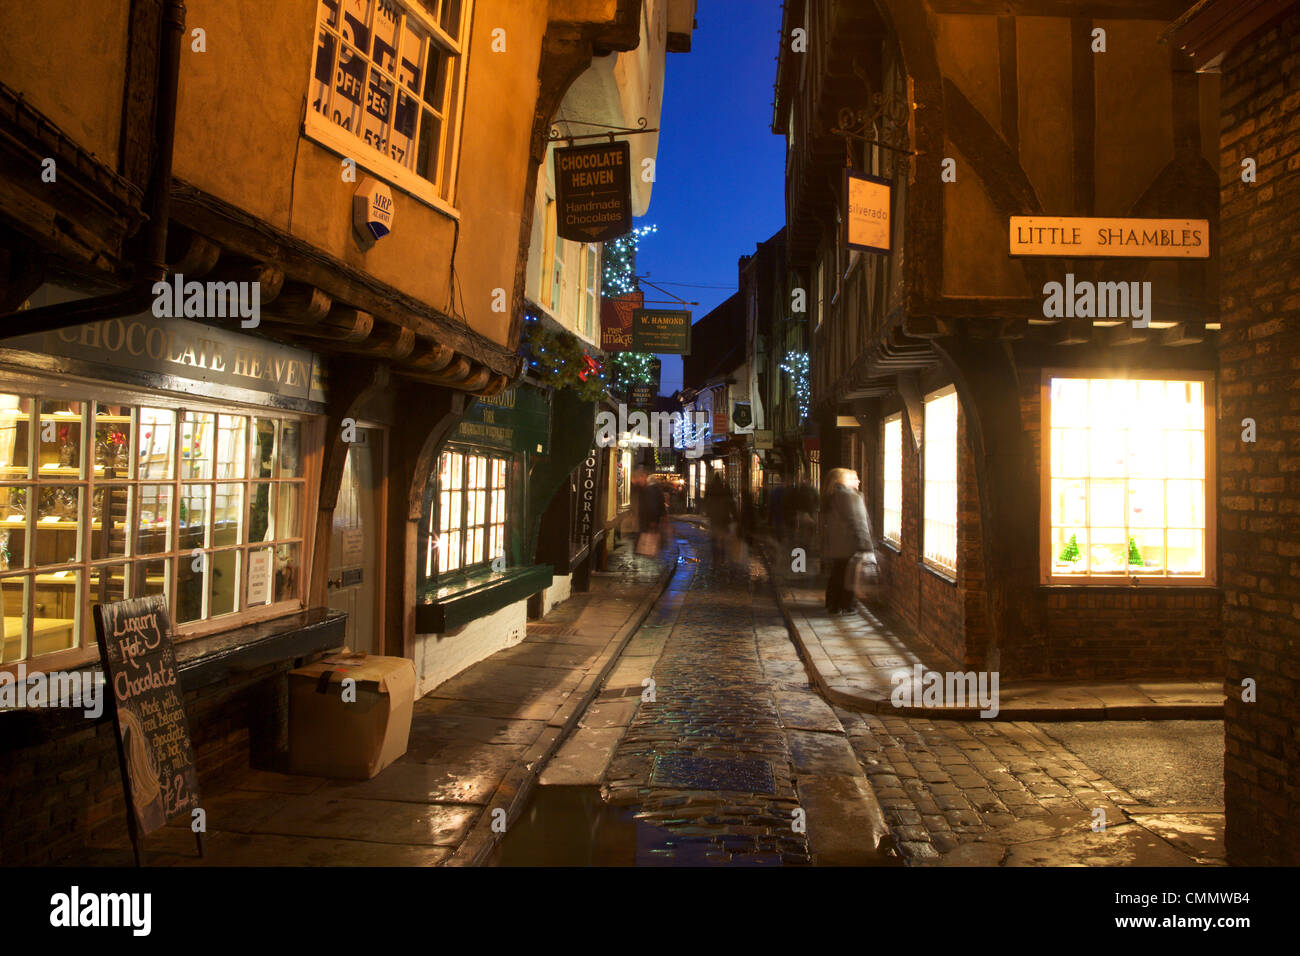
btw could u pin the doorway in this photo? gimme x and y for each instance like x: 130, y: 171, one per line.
x: 357, y: 542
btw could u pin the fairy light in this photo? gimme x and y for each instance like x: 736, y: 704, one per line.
x: 796, y: 366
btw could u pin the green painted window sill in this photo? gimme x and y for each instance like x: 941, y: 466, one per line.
x: 445, y: 607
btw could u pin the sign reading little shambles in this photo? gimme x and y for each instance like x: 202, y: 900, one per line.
x: 661, y: 331
x: 1110, y: 238
x: 867, y: 222
x: 593, y: 192
x: 153, y: 736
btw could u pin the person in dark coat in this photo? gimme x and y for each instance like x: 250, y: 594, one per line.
x: 846, y: 530
x: 720, y: 509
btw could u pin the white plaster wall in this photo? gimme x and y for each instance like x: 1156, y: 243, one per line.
x: 559, y: 591
x: 440, y: 657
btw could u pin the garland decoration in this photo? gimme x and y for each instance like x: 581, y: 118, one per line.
x: 560, y: 361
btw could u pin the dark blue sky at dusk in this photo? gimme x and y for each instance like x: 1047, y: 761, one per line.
x: 720, y: 174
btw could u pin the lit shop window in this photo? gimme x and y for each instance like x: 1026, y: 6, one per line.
x: 102, y: 501
x: 389, y: 74
x: 591, y: 295
x: 893, y: 480
x: 468, y: 526
x: 940, y: 530
x: 1127, y: 479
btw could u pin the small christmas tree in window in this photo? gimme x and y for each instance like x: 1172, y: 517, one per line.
x: 1134, y: 555
x: 1070, y: 553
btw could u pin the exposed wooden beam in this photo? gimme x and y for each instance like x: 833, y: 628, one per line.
x: 1165, y: 10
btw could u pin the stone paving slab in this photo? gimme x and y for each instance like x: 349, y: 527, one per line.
x: 853, y: 659
x: 477, y: 743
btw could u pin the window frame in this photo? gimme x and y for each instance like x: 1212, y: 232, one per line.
x: 936, y: 564
x: 325, y: 133
x: 1210, y: 539
x: 85, y: 650
x: 433, y: 529
x: 885, y: 481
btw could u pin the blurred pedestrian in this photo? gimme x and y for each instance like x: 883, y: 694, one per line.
x: 651, y: 511
x: 720, y: 509
x: 846, y: 531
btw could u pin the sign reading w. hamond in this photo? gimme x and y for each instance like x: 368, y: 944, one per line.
x: 593, y: 192
x: 661, y: 331
x: 1110, y: 238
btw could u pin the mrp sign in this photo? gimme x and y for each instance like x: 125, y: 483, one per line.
x: 372, y: 209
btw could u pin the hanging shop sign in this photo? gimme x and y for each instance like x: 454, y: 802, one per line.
x: 661, y: 331
x: 519, y: 419
x: 742, y: 417
x: 588, y: 493
x: 153, y: 737
x: 616, y: 321
x: 641, y: 394
x: 593, y: 192
x: 1110, y: 238
x: 764, y: 440
x: 188, y: 350
x: 868, y: 216
x: 720, y: 424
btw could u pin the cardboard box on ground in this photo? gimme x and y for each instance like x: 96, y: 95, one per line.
x: 331, y: 735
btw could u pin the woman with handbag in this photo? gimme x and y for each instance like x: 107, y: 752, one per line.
x: 846, y: 531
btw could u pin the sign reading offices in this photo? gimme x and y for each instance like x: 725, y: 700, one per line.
x: 593, y: 192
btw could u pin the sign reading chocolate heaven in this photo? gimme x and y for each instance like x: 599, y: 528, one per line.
x: 593, y: 192
x: 153, y: 736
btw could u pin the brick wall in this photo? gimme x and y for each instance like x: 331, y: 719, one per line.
x: 1259, y: 509
x: 66, y: 793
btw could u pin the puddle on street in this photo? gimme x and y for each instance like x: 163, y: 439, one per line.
x: 573, y: 826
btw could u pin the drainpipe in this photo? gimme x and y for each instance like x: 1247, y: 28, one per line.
x: 151, y: 264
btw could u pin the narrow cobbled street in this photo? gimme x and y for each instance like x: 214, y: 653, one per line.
x: 724, y: 744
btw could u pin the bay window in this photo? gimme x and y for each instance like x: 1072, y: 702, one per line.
x: 940, y: 444
x: 1126, y: 480
x: 106, y: 500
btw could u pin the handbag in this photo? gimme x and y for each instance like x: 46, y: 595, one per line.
x: 862, y: 577
x: 647, y: 543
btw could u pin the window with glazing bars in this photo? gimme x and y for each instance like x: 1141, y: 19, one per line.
x: 468, y: 524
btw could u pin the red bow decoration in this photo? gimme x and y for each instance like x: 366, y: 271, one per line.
x: 591, y: 366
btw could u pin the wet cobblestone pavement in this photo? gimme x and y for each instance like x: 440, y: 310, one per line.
x: 708, y: 763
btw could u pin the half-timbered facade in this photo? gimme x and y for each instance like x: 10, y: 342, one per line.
x: 1033, y: 412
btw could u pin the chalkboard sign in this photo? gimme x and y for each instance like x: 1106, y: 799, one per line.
x: 153, y: 736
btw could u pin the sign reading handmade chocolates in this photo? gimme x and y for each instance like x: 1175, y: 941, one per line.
x: 153, y: 736
x: 867, y: 220
x: 661, y: 331
x: 1110, y: 238
x: 593, y: 192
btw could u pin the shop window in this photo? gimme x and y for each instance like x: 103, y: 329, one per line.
x: 591, y: 294
x: 893, y: 480
x: 388, y: 74
x: 1126, y: 481
x: 467, y: 527
x: 940, y: 525
x: 102, y: 501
